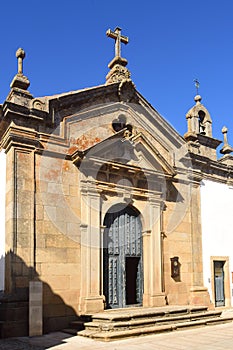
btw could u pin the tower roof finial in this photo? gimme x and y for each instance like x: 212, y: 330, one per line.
x: 197, y: 98
x: 197, y: 85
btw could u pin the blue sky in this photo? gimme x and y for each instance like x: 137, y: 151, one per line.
x: 171, y: 42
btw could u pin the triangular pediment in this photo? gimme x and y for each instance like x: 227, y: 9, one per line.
x: 132, y: 151
x: 102, y: 104
x: 93, y: 124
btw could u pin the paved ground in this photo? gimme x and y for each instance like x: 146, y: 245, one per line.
x: 219, y: 337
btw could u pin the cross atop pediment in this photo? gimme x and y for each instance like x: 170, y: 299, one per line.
x: 118, y: 71
x: 116, y: 35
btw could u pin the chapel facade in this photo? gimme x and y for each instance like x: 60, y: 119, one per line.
x: 104, y: 202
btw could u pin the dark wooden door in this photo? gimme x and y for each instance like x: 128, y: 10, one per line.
x: 219, y: 283
x: 123, y: 270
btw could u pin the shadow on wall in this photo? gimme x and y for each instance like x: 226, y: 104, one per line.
x: 14, y: 306
x: 2, y: 272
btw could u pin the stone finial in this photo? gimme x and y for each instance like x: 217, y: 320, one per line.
x: 226, y: 147
x: 197, y: 99
x: 118, y: 71
x: 224, y: 131
x: 20, y: 54
x: 20, y: 81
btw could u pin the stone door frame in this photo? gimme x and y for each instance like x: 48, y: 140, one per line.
x: 226, y: 270
x: 95, y: 203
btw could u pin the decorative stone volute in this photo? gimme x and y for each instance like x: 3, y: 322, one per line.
x: 118, y: 71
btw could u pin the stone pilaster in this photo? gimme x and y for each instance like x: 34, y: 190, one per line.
x: 20, y: 250
x: 90, y: 299
x: 20, y: 192
x: 146, y: 267
x: 153, y: 294
x: 198, y: 293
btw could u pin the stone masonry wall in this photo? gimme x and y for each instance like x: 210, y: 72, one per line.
x: 58, y: 239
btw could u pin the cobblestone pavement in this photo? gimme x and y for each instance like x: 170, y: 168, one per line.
x: 218, y: 337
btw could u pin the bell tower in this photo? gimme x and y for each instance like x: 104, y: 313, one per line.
x: 199, y: 134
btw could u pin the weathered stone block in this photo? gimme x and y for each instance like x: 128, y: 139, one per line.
x: 35, y: 308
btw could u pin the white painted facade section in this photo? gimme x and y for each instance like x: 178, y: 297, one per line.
x: 2, y: 217
x: 217, y: 228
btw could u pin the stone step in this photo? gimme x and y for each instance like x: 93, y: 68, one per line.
x: 146, y: 330
x: 124, y: 323
x: 137, y: 313
x: 147, y: 321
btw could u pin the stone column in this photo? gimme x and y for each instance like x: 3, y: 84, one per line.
x: 90, y: 299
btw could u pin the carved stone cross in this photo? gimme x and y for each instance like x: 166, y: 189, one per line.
x: 118, y: 39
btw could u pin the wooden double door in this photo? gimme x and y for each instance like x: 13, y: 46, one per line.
x: 123, y: 265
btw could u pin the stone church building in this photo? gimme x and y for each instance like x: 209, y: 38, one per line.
x: 107, y: 206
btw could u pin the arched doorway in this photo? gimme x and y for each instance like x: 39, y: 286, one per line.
x: 123, y: 265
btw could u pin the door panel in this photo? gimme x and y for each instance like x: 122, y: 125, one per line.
x: 123, y: 258
x: 219, y: 283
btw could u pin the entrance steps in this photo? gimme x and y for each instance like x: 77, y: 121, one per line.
x: 124, y: 323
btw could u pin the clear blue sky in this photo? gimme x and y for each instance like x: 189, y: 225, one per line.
x: 172, y: 42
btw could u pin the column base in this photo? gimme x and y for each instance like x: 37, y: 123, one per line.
x: 91, y: 305
x: 200, y: 296
x: 154, y: 300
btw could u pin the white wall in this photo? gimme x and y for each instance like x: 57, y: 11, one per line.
x: 217, y: 226
x: 2, y: 217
